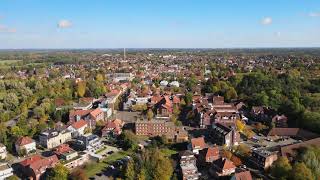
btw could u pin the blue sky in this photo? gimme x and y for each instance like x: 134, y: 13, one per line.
x: 159, y: 23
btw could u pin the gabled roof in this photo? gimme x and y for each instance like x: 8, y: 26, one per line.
x: 96, y: 112
x: 79, y: 124
x: 24, y: 140
x: 244, y: 175
x: 224, y: 164
x: 30, y: 160
x: 212, y: 152
x: 63, y: 148
x: 198, y: 142
x: 292, y: 132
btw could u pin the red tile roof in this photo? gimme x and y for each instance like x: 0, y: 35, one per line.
x: 63, y: 148
x: 30, y: 160
x: 198, y: 142
x: 96, y: 112
x: 24, y: 140
x: 244, y: 175
x: 212, y: 152
x: 224, y: 164
x: 79, y: 124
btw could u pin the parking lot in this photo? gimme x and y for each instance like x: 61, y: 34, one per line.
x: 126, y: 116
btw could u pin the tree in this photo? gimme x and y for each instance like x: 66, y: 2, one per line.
x: 149, y: 114
x: 301, y: 172
x: 230, y: 94
x: 11, y: 101
x: 99, y: 78
x: 188, y: 98
x: 240, y: 125
x: 13, y: 177
x: 311, y: 158
x: 81, y: 88
x: 281, y: 168
x: 130, y: 171
x: 142, y: 174
x: 78, y: 174
x: 128, y: 140
x: 59, y: 172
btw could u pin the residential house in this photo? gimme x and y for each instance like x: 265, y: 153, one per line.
x: 5, y: 171
x: 210, y: 154
x: 3, y: 152
x: 25, y: 145
x: 242, y: 175
x: 78, y: 128
x: 188, y: 166
x: 34, y: 166
x: 222, y: 167
x: 53, y: 138
x: 280, y: 121
x: 113, y: 128
x: 223, y: 135
x: 262, y: 158
x: 89, y: 142
x: 90, y: 116
x: 64, y: 152
x: 197, y: 144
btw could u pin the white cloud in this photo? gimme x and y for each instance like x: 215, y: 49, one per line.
x: 266, y: 21
x: 314, y: 14
x: 5, y: 29
x: 64, y: 24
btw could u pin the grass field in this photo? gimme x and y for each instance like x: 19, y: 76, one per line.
x: 8, y: 62
x: 168, y: 152
x: 94, y: 168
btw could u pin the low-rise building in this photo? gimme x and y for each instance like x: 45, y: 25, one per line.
x: 197, y: 144
x: 5, y: 171
x: 223, y: 135
x: 3, y: 152
x: 53, y: 138
x: 34, y: 166
x: 78, y: 128
x: 89, y: 142
x: 242, y: 175
x: 25, y: 145
x: 222, y: 167
x: 188, y: 166
x: 263, y: 158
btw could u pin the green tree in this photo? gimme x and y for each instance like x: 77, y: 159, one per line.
x: 281, y: 168
x: 59, y: 172
x: 130, y: 171
x: 149, y: 114
x: 11, y: 101
x: 78, y: 174
x: 301, y: 172
x: 142, y: 174
x: 81, y: 88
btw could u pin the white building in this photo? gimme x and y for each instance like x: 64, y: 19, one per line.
x: 3, y: 151
x: 5, y: 171
x: 25, y: 144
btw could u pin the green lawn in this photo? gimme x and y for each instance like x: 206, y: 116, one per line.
x: 93, y: 168
x: 3, y: 62
x: 168, y: 152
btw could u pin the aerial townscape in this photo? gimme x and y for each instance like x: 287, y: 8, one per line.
x: 159, y: 90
